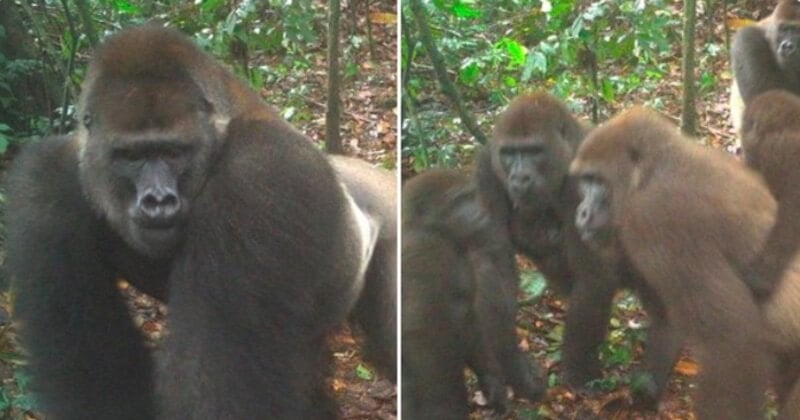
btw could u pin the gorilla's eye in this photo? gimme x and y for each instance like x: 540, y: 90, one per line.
x: 127, y: 154
x: 87, y: 121
x: 535, y: 150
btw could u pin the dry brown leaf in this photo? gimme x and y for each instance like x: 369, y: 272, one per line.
x: 524, y: 345
x: 346, y: 339
x: 383, y: 127
x: 338, y: 385
x: 686, y: 367
x: 739, y: 23
x: 150, y: 327
x: 383, y: 18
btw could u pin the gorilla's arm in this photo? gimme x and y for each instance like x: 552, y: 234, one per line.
x: 88, y: 359
x: 259, y: 273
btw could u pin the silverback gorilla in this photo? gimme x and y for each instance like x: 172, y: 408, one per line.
x: 182, y: 181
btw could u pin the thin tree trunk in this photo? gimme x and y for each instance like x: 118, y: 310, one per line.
x: 65, y: 97
x: 86, y: 18
x: 370, y: 41
x: 333, y: 142
x: 445, y: 83
x: 688, y: 113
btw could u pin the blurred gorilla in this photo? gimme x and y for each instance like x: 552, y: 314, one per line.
x: 444, y: 228
x: 765, y: 56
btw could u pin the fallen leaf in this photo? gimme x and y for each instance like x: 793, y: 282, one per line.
x: 338, y: 385
x: 739, y: 23
x: 686, y: 367
x: 383, y: 18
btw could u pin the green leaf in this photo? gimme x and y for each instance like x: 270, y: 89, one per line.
x: 288, y: 113
x: 124, y: 6
x: 209, y: 6
x: 607, y: 91
x: 5, y: 400
x: 12, y: 357
x: 363, y: 372
x: 553, y: 380
x: 350, y: 70
x: 536, y: 62
x: 516, y: 52
x: 465, y: 12
x: 533, y: 284
x: 617, y: 355
x: 469, y: 73
x: 561, y: 8
x: 641, y: 380
x: 604, y: 384
x: 556, y: 334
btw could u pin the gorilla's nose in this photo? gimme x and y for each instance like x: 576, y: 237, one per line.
x: 159, y: 207
x: 521, y: 181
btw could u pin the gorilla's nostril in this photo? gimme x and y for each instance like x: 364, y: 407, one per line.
x: 583, y: 215
x: 787, y: 47
x: 159, y: 207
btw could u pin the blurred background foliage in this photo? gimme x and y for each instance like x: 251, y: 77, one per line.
x: 44, y: 47
x: 597, y: 55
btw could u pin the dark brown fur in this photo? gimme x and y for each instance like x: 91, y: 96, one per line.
x: 771, y: 132
x: 443, y: 226
x: 183, y: 182
x: 771, y: 140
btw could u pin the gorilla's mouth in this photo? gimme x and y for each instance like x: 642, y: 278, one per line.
x: 158, y: 233
x: 157, y: 225
x: 531, y: 197
x: 155, y: 241
x: 596, y: 237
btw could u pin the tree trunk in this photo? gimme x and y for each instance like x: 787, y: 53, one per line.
x: 333, y: 142
x: 688, y: 113
x: 445, y: 83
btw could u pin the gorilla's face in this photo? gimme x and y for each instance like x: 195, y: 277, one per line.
x: 534, y: 169
x: 144, y: 157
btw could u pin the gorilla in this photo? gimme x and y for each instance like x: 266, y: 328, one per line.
x: 182, y: 181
